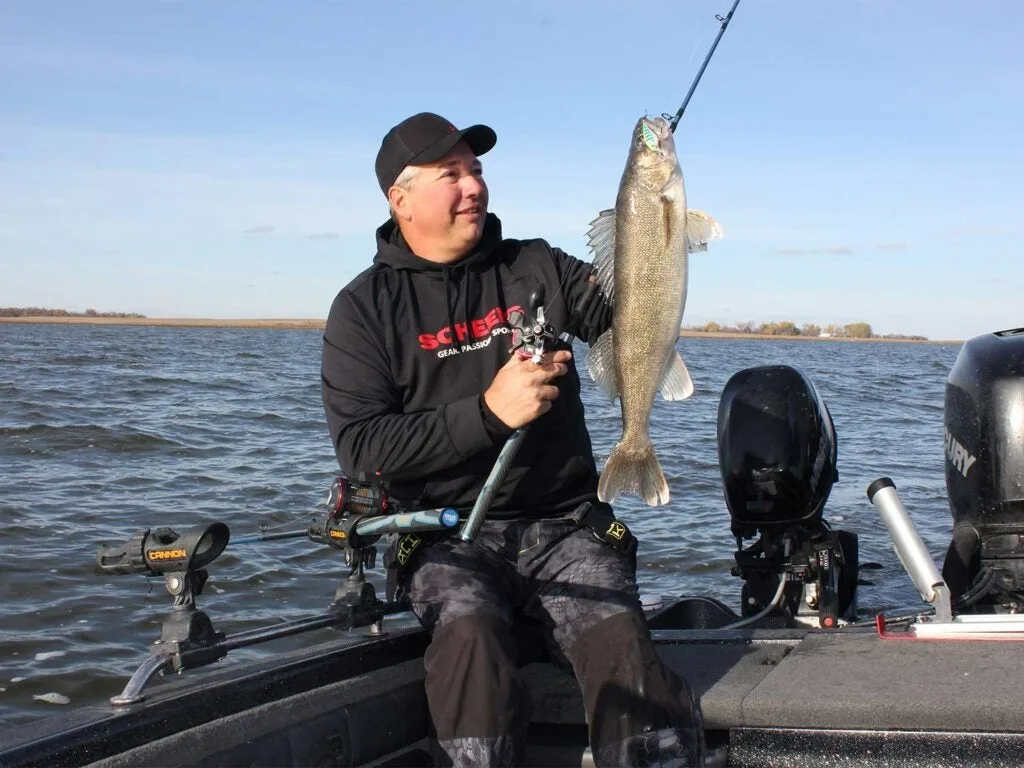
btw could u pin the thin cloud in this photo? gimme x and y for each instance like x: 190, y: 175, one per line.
x: 978, y: 230
x: 264, y: 229
x: 833, y: 250
x: 325, y: 236
x: 892, y: 246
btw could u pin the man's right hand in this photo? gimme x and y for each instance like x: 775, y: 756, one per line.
x: 522, y: 390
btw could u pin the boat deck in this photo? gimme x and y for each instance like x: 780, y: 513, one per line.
x: 772, y: 697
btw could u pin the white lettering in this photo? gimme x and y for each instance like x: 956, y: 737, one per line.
x: 958, y: 456
x: 970, y: 461
x: 465, y: 348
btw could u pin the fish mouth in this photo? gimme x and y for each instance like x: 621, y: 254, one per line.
x: 653, y: 133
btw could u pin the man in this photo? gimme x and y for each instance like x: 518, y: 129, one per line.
x: 421, y: 388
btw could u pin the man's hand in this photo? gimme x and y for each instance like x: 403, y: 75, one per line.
x: 522, y: 390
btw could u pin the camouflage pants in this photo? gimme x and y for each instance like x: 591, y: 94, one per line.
x: 584, y: 593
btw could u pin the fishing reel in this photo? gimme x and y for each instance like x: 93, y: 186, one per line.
x: 348, y: 503
x: 532, y: 337
x: 357, y: 514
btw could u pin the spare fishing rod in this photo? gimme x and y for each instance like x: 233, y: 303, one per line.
x: 355, y: 510
x: 673, y: 121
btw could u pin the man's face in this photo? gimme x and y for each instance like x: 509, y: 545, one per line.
x: 443, y: 211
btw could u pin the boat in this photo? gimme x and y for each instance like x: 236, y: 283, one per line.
x: 796, y: 678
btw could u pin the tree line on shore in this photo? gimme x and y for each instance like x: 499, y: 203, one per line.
x: 773, y: 328
x: 45, y: 312
x: 789, y: 328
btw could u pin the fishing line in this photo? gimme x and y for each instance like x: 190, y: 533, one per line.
x: 674, y: 120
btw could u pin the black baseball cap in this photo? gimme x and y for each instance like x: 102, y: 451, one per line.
x: 424, y: 138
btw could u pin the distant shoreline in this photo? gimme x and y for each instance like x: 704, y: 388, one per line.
x: 318, y: 325
x: 169, y: 322
x: 773, y: 337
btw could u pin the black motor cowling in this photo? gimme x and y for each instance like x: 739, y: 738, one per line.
x: 984, y: 447
x: 777, y: 456
x: 776, y: 448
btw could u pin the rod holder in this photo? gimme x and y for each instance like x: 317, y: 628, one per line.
x: 910, y: 548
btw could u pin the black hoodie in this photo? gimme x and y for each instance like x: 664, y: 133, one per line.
x: 409, y: 348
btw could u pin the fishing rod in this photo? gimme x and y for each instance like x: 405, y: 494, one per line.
x: 533, y: 335
x: 674, y: 121
x: 538, y: 328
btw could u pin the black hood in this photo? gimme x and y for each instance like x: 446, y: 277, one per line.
x: 393, y: 251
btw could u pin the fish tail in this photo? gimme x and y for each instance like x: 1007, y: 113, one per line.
x: 632, y: 470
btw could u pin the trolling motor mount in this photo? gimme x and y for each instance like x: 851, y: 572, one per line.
x: 777, y: 455
x: 187, y: 635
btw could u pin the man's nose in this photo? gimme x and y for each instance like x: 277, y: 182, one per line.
x: 473, y: 185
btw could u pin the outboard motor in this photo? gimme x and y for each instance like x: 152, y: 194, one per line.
x: 777, y: 454
x: 984, y: 421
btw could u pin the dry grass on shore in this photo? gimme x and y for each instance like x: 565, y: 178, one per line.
x: 172, y: 322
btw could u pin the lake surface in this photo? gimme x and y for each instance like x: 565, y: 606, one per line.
x: 106, y: 430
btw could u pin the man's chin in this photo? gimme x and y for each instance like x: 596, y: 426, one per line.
x: 472, y: 232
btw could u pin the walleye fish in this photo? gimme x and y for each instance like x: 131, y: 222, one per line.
x: 641, y: 252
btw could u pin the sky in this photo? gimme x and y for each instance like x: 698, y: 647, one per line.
x: 197, y: 159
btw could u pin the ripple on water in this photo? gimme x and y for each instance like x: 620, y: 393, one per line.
x: 107, y: 431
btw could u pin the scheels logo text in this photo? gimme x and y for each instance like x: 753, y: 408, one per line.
x: 491, y: 324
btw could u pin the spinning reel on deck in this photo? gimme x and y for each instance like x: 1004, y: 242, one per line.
x: 357, y: 514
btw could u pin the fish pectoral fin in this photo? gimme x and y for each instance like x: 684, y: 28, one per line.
x: 672, y: 190
x: 700, y: 229
x: 676, y: 384
x: 601, y: 240
x: 601, y: 365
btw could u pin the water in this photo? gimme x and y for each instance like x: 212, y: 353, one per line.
x: 108, y: 430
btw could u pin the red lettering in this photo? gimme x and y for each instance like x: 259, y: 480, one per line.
x: 478, y: 328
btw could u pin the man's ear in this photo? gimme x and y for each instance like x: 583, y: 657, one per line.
x: 398, y: 198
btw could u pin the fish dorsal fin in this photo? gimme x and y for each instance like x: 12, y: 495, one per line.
x: 601, y: 365
x: 676, y: 384
x: 601, y: 239
x: 700, y: 229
